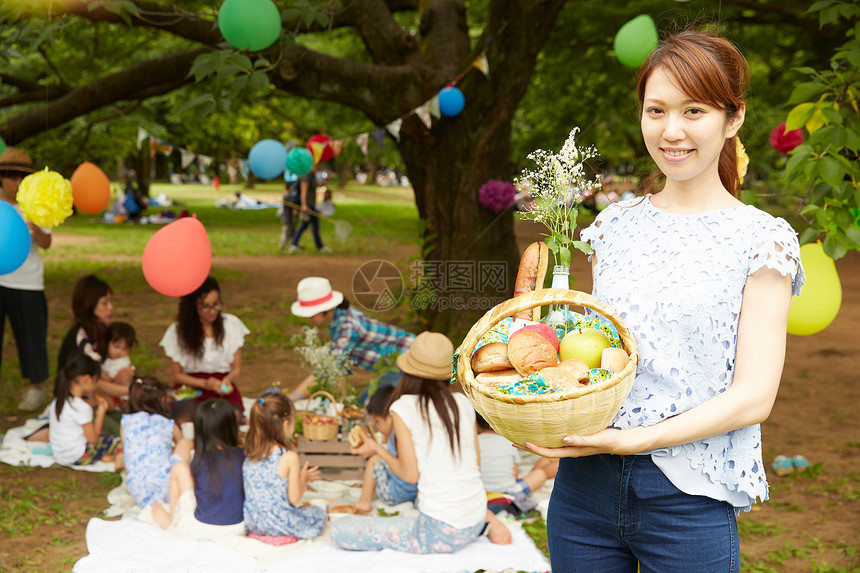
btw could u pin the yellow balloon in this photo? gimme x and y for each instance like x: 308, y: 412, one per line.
x: 821, y: 297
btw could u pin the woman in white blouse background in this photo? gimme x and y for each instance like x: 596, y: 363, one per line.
x: 205, y: 346
x: 704, y: 282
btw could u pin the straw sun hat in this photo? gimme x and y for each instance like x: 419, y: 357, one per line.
x: 16, y: 160
x: 429, y: 357
x: 315, y: 295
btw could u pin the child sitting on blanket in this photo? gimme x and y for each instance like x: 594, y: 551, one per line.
x: 148, y: 435
x: 206, y: 496
x: 121, y: 339
x: 75, y: 433
x: 274, y: 477
x: 378, y: 476
x: 499, y: 467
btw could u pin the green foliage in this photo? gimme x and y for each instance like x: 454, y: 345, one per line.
x: 826, y: 107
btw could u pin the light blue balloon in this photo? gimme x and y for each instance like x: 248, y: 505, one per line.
x: 451, y: 101
x: 300, y: 161
x: 14, y: 239
x: 267, y: 158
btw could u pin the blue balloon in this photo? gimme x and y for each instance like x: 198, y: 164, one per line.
x: 267, y: 158
x: 451, y: 101
x: 14, y: 239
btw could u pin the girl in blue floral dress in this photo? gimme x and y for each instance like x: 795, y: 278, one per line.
x: 148, y: 437
x: 274, y: 478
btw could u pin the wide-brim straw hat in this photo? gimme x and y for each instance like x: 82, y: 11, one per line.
x: 315, y: 295
x: 429, y: 357
x: 14, y: 160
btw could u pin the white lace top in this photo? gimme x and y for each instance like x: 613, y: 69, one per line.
x: 677, y: 282
x: 216, y: 359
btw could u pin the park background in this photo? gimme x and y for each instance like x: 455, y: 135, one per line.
x: 80, y: 83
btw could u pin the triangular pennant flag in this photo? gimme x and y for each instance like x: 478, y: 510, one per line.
x: 185, y: 157
x: 141, y: 136
x: 361, y: 140
x: 433, y: 105
x: 317, y: 149
x: 153, y: 147
x: 423, y: 113
x: 336, y: 147
x: 482, y: 64
x: 394, y: 128
x: 379, y: 135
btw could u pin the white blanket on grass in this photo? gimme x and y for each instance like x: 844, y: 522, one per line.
x: 132, y: 545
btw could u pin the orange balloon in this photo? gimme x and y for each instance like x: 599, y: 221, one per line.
x: 178, y: 257
x: 90, y: 188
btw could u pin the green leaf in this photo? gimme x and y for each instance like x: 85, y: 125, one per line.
x: 240, y: 83
x: 806, y: 70
x: 852, y: 235
x: 747, y: 196
x: 853, y: 56
x: 262, y: 63
x: 798, y: 116
x: 831, y: 172
x: 795, y: 161
x: 564, y: 256
x: 832, y: 114
x: 808, y: 235
x: 199, y: 100
x: 229, y: 70
x: 852, y: 140
x: 820, y: 5
x: 806, y: 91
x: 582, y: 246
x: 259, y: 81
x: 811, y: 208
x: 833, y: 248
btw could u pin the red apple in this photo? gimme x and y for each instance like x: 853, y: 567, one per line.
x: 544, y: 330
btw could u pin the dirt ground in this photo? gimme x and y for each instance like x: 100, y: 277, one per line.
x: 813, y: 517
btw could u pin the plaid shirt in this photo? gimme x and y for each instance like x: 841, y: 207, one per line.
x: 365, y: 340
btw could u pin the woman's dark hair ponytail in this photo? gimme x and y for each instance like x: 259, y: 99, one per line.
x: 78, y: 364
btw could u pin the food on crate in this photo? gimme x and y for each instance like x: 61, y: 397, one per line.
x: 544, y: 330
x: 529, y: 352
x: 586, y: 344
x: 352, y: 413
x: 491, y: 358
x: 577, y: 368
x: 319, y: 419
x: 614, y: 359
x: 184, y: 393
x: 356, y: 436
x: 498, y: 377
x: 562, y: 379
x: 531, y: 275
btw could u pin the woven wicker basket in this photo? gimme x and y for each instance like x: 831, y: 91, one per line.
x: 546, y: 418
x: 320, y: 431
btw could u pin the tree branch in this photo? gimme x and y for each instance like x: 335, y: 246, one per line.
x: 386, y: 41
x: 146, y: 79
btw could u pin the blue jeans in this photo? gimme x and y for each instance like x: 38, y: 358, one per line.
x: 611, y: 513
x: 420, y: 534
x: 314, y: 222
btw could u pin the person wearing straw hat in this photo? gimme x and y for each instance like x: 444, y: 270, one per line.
x: 437, y: 447
x: 704, y: 283
x: 354, y: 335
x: 22, y: 292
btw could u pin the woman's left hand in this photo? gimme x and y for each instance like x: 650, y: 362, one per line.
x: 222, y: 387
x: 608, y: 441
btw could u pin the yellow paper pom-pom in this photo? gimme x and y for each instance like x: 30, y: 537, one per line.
x: 743, y: 160
x: 45, y: 198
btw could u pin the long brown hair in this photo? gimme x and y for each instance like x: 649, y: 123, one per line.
x: 709, y: 69
x: 88, y: 290
x: 189, y: 331
x: 266, y: 425
x: 435, y: 391
x: 78, y: 364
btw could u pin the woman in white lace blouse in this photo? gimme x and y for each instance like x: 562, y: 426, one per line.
x: 704, y: 282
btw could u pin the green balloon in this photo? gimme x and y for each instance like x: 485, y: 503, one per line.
x: 635, y: 40
x: 251, y: 24
x: 300, y: 161
x: 2, y: 145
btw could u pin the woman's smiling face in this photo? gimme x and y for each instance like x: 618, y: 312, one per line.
x: 684, y: 137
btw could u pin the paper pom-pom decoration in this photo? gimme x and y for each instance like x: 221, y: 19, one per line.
x: 451, y: 101
x: 14, y: 239
x: 635, y: 40
x: 90, y: 188
x: 178, y: 257
x: 45, y: 198
x: 785, y: 141
x: 267, y: 158
x: 320, y: 147
x: 251, y: 24
x: 496, y: 195
x: 299, y: 161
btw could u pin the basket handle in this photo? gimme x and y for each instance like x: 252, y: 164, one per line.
x: 314, y: 395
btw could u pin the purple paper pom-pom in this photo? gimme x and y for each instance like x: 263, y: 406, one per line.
x: 496, y: 195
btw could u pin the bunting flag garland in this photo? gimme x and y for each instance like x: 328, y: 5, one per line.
x: 482, y: 64
x: 379, y: 135
x: 185, y: 157
x: 317, y: 148
x: 336, y: 147
x: 361, y: 140
x: 423, y: 113
x: 394, y: 128
x: 141, y: 136
x: 433, y: 105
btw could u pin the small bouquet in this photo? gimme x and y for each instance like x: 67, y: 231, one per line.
x: 557, y: 186
x: 330, y: 367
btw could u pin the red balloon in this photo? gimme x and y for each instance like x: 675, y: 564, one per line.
x: 178, y: 257
x: 327, y: 153
x: 90, y: 188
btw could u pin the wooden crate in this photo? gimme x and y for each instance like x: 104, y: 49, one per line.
x: 332, y: 457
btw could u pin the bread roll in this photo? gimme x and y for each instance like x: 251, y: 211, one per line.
x: 614, y: 359
x: 491, y: 358
x: 356, y: 436
x: 577, y: 368
x: 529, y: 352
x: 498, y: 377
x: 561, y: 379
x: 530, y: 276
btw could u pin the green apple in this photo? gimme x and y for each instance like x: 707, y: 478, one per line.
x: 586, y: 344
